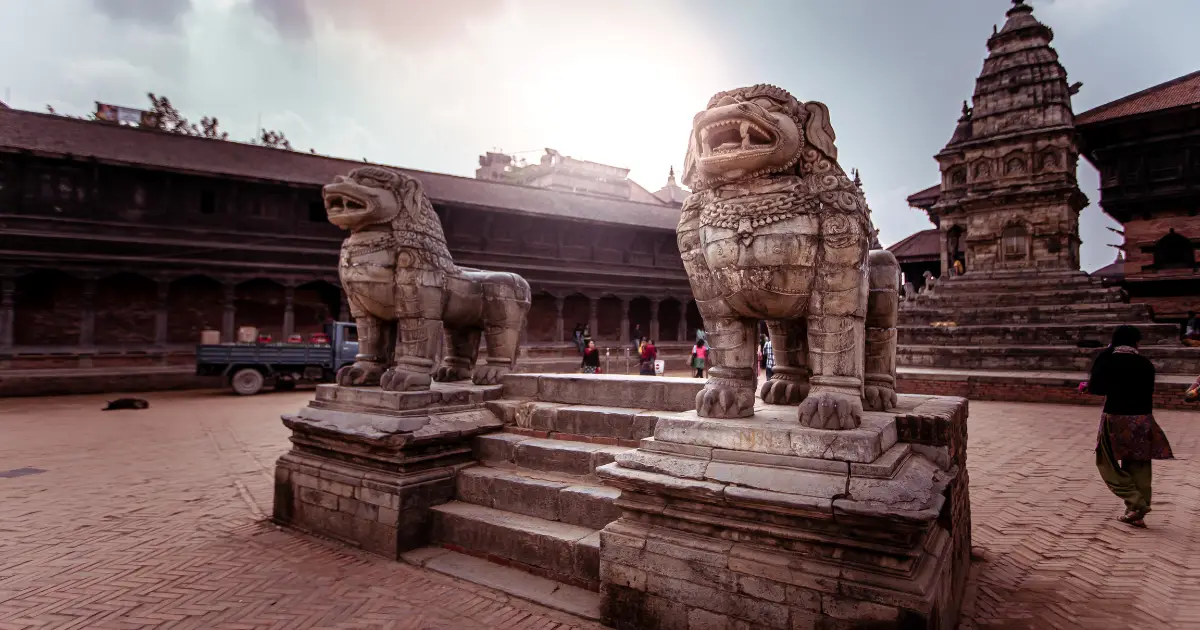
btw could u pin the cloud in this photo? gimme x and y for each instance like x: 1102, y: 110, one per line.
x: 289, y: 17
x: 403, y: 24
x: 156, y: 14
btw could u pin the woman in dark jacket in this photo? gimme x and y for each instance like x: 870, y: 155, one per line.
x: 1128, y: 433
x: 591, y: 358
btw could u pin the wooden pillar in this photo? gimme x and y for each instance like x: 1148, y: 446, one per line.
x: 289, y: 311
x: 7, y: 312
x: 653, y: 332
x: 160, y: 315
x: 8, y: 289
x: 624, y: 335
x: 227, y: 318
x: 558, y: 319
x: 87, y: 322
x: 683, y: 321
x: 594, y: 317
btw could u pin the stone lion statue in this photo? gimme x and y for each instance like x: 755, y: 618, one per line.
x: 774, y: 230
x: 404, y: 290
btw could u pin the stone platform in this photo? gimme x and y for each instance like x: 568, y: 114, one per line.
x: 561, y: 476
x: 765, y: 523
x: 1028, y: 320
x: 367, y: 465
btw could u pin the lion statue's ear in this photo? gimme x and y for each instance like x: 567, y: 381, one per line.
x: 689, y: 162
x: 818, y: 130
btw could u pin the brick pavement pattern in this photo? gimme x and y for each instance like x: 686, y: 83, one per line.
x: 155, y: 519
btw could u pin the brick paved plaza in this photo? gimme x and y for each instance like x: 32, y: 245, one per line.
x: 155, y: 519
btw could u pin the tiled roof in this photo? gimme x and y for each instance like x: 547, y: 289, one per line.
x: 1111, y: 271
x: 926, y: 197
x: 1180, y: 92
x: 925, y: 244
x: 48, y: 134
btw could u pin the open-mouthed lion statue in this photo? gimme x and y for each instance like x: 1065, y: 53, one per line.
x: 774, y: 230
x: 404, y: 289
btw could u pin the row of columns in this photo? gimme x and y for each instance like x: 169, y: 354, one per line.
x: 594, y: 318
x: 87, y: 319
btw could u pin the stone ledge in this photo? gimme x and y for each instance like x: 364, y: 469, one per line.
x: 657, y: 393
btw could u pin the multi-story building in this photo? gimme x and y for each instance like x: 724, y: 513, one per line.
x: 120, y: 245
x: 556, y: 171
x: 1147, y: 149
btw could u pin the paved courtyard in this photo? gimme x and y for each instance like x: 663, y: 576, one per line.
x: 156, y: 519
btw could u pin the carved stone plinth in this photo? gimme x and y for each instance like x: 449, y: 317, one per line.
x: 768, y: 524
x: 366, y: 465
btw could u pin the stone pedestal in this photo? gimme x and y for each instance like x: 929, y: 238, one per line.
x: 762, y: 523
x: 367, y: 465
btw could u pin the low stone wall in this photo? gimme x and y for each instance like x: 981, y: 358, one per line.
x: 100, y: 381
x: 1029, y: 389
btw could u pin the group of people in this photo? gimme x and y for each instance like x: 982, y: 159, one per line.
x: 644, y: 348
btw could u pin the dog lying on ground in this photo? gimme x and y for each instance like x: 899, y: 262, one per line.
x: 127, y: 403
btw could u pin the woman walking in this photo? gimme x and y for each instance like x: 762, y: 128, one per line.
x: 1128, y: 433
x: 699, y: 358
x: 591, y: 358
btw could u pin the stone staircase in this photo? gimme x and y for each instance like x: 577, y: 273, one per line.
x: 533, y: 502
x: 1028, y: 320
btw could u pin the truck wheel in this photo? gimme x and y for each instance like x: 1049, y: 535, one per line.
x: 246, y: 381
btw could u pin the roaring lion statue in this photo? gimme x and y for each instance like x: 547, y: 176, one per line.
x: 404, y: 290
x: 774, y: 230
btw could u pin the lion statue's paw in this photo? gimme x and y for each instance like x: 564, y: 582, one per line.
x: 783, y: 391
x: 402, y: 380
x: 359, y: 373
x: 831, y: 410
x: 879, y: 398
x: 489, y: 374
x: 718, y: 401
x: 452, y: 373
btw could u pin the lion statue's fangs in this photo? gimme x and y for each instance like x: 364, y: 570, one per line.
x: 774, y: 230
x: 404, y: 290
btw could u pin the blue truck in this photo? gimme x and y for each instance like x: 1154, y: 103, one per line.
x: 248, y: 367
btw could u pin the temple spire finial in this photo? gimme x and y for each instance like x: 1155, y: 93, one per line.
x: 671, y: 176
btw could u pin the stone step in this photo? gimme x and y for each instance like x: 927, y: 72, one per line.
x: 1119, y: 312
x: 585, y: 423
x: 566, y: 457
x: 1023, y: 282
x: 616, y: 365
x: 655, y: 393
x: 1030, y: 334
x: 515, y: 582
x: 551, y: 549
x: 543, y: 496
x: 1166, y: 359
x: 950, y: 300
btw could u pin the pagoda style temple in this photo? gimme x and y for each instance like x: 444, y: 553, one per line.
x: 1008, y: 197
x: 1018, y: 320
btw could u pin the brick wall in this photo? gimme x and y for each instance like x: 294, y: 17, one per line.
x: 125, y: 305
x: 1165, y: 396
x: 194, y: 304
x: 1140, y: 232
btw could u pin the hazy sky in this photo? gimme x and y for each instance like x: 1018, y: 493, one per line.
x: 614, y: 81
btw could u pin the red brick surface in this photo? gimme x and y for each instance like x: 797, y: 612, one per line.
x: 156, y: 519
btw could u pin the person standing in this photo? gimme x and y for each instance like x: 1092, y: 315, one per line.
x: 699, y: 358
x: 648, y: 356
x: 578, y: 337
x: 591, y: 358
x: 1191, y: 330
x: 768, y: 358
x: 1128, y: 438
